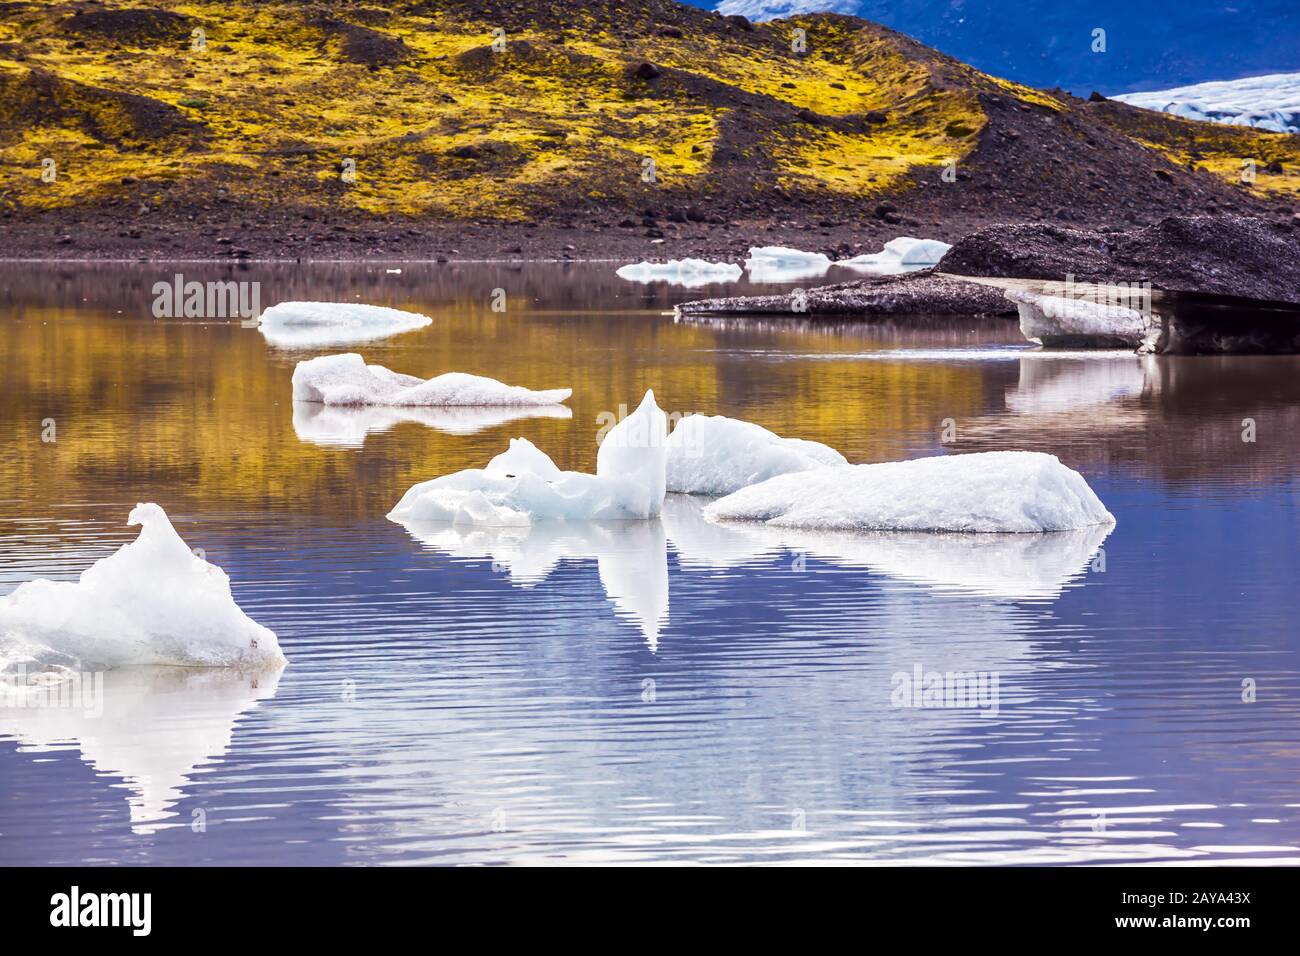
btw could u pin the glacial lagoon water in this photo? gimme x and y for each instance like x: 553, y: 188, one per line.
x: 666, y: 691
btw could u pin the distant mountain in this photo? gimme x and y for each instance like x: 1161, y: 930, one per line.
x: 563, y: 110
x: 1269, y: 102
x: 1046, y: 43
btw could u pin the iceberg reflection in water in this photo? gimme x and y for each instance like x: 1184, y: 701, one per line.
x: 349, y: 426
x: 155, y: 727
x: 1054, y: 383
x: 632, y: 556
x: 1008, y: 566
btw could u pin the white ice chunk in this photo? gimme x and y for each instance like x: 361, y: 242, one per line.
x: 149, y: 727
x: 348, y: 426
x: 348, y: 380
x: 523, y: 485
x: 687, y: 273
x: 300, y: 325
x: 151, y: 602
x: 715, y: 455
x: 780, y: 264
x: 1058, y: 320
x: 1006, y: 491
x: 903, y: 254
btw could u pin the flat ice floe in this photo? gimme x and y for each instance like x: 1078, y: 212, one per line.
x: 780, y: 264
x: 687, y: 273
x: 151, y: 602
x: 523, y: 485
x: 903, y: 254
x: 348, y: 426
x: 1055, y: 320
x: 303, y: 325
x: 1006, y: 491
x: 348, y: 380
x: 716, y: 455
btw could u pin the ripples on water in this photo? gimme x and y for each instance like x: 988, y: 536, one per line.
x: 666, y: 690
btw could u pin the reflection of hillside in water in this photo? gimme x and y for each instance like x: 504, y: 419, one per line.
x: 563, y: 286
x: 1179, y: 418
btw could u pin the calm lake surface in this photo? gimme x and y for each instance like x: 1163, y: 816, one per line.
x: 668, y: 691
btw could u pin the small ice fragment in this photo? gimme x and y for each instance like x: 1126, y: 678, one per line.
x: 903, y: 254
x: 318, y: 324
x: 781, y: 264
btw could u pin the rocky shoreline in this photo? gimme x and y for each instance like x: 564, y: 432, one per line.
x: 923, y: 292
x: 1187, y: 284
x: 116, y: 232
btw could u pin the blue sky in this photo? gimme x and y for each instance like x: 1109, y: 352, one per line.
x: 1154, y: 44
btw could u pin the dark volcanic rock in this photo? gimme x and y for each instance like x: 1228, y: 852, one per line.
x: 1210, y: 255
x: 137, y: 26
x: 913, y: 293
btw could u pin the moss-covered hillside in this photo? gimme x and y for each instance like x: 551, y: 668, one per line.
x: 455, y: 110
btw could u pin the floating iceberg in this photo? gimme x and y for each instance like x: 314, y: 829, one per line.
x: 300, y: 325
x: 903, y: 254
x: 631, y: 559
x: 1061, y: 321
x: 688, y: 273
x: 348, y: 380
x: 151, y: 602
x: 150, y: 726
x: 523, y: 485
x: 779, y: 264
x: 1006, y: 491
x: 348, y: 426
x: 715, y: 455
